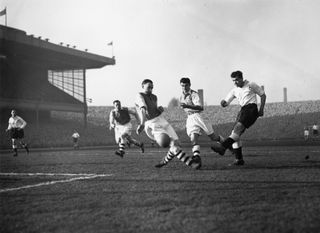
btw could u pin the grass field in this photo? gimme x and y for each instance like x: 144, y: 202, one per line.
x: 96, y: 191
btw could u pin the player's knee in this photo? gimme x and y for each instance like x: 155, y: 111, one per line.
x: 239, y: 128
x: 235, y: 136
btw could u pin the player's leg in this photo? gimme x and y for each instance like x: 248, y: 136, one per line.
x: 20, y: 137
x: 193, y: 126
x: 195, y: 148
x: 122, y: 147
x: 14, y: 147
x: 221, y: 148
x: 120, y: 139
x: 24, y: 145
x: 135, y: 142
x: 237, y: 152
x: 175, y: 151
x: 246, y: 117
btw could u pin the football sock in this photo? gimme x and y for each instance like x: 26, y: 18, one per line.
x: 228, y: 143
x: 168, y: 157
x: 122, y: 147
x: 238, y: 153
x: 181, y: 155
x: 196, y: 150
x: 15, y: 151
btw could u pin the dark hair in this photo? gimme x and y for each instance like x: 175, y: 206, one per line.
x: 236, y: 74
x: 185, y: 80
x: 146, y: 81
x: 116, y: 101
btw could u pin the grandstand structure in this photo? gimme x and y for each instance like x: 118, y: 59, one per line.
x: 37, y: 76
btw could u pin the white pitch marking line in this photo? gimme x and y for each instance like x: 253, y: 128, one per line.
x: 50, y: 174
x: 91, y: 176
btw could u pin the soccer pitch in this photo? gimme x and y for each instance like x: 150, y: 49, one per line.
x: 96, y: 191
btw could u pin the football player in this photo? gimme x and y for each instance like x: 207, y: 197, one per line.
x: 16, y: 127
x: 155, y: 124
x: 191, y: 104
x: 246, y: 93
x: 120, y: 121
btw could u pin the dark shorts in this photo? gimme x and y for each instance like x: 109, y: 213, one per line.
x: 248, y: 115
x: 75, y: 140
x: 16, y: 133
x: 315, y: 132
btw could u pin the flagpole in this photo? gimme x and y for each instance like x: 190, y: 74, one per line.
x: 112, y: 49
x: 6, y: 17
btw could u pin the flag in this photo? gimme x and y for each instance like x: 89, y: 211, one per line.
x: 3, y: 12
x: 111, y: 43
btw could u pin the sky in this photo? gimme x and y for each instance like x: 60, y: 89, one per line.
x: 275, y: 43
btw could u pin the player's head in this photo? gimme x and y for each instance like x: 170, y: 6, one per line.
x: 237, y: 78
x: 13, y: 112
x: 147, y: 86
x: 185, y: 84
x: 117, y: 104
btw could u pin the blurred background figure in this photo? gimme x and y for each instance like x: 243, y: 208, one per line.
x: 306, y: 133
x: 75, y: 138
x: 315, y: 129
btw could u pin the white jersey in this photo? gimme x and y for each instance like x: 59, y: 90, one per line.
x: 190, y: 98
x: 246, y: 94
x: 16, y: 122
x: 75, y: 135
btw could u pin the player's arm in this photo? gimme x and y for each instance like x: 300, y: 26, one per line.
x: 23, y: 122
x: 260, y: 92
x: 142, y: 116
x: 196, y: 103
x: 262, y: 104
x: 9, y: 127
x: 225, y: 102
x: 111, y: 121
x: 141, y: 107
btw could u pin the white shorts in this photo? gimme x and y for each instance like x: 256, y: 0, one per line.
x: 120, y: 130
x: 196, y: 123
x: 159, y: 125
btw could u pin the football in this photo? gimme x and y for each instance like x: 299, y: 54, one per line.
x: 163, y: 140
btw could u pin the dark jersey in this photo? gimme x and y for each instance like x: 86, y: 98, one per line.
x: 150, y: 103
x: 122, y: 116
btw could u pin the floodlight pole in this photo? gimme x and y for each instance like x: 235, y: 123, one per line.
x: 85, y: 107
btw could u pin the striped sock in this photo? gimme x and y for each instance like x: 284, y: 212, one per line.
x: 181, y: 155
x: 168, y: 157
x: 122, y: 147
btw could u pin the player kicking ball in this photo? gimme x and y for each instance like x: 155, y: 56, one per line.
x: 16, y: 128
x: 245, y: 92
x: 120, y: 122
x: 158, y: 128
